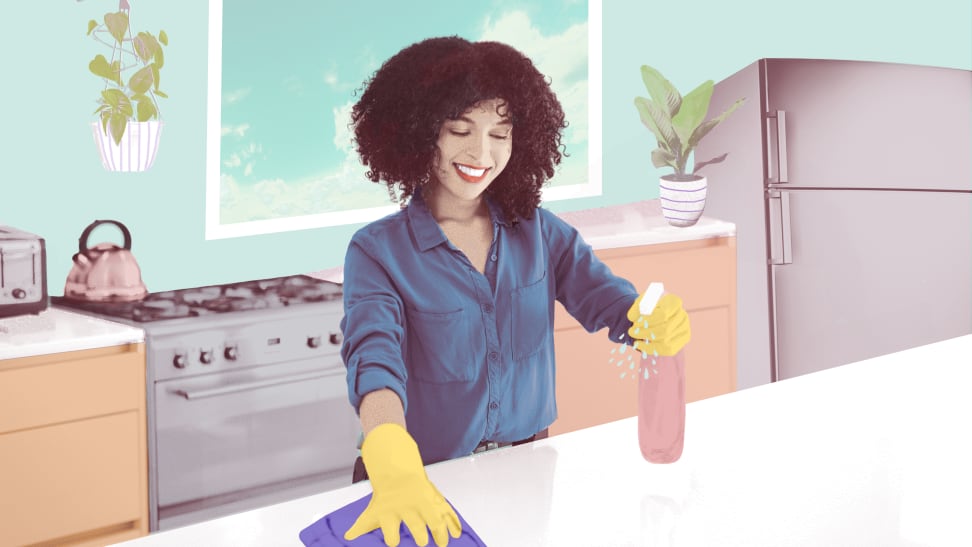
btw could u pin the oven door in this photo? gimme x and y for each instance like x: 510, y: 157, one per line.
x: 231, y: 441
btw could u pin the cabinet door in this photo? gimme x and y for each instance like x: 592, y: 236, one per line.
x: 71, y: 478
x: 591, y: 391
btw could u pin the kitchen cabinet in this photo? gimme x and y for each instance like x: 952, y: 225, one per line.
x: 73, y: 461
x: 702, y: 272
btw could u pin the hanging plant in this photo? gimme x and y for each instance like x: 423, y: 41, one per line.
x: 131, y: 74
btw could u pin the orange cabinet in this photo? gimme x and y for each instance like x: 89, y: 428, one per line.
x: 591, y: 391
x: 73, y: 462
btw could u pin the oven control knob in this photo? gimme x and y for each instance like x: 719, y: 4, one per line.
x: 313, y: 341
x: 206, y: 357
x: 180, y: 360
x: 336, y: 338
x: 230, y: 353
x: 19, y: 294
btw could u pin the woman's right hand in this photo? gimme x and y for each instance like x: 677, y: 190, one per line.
x: 401, y: 492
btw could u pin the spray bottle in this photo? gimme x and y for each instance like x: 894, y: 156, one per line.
x: 661, y: 395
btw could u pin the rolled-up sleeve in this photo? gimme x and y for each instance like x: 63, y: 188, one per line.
x: 586, y: 287
x: 372, y: 326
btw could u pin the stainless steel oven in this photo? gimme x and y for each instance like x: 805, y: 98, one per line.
x: 248, y: 406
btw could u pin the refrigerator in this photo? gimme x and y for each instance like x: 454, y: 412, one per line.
x: 850, y: 184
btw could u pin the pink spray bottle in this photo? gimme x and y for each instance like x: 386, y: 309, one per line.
x: 661, y: 395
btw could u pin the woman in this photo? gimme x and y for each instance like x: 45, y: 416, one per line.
x: 449, y: 302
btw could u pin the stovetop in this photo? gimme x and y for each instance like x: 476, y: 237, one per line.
x: 275, y: 292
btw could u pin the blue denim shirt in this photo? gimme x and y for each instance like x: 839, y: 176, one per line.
x: 470, y: 355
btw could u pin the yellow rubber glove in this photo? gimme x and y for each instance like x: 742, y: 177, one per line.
x: 665, y: 331
x: 402, y: 492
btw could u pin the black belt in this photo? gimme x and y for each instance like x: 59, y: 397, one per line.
x: 492, y: 445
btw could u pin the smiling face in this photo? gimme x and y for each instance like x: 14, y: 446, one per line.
x: 473, y: 150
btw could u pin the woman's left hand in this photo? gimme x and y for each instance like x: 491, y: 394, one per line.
x: 665, y: 331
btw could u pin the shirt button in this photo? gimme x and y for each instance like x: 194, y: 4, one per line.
x: 494, y: 406
x: 493, y: 258
x: 488, y: 308
x: 493, y: 355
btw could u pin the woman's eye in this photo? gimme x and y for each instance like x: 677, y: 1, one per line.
x: 459, y: 133
x: 501, y: 137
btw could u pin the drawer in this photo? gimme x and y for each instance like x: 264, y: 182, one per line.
x: 70, y: 478
x: 81, y: 385
x: 701, y: 272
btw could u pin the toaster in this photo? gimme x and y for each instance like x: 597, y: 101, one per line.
x: 23, y: 273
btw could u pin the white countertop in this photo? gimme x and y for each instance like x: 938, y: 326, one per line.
x: 875, y: 453
x: 639, y: 223
x: 55, y: 330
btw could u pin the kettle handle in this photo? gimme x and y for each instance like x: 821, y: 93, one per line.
x: 83, y: 240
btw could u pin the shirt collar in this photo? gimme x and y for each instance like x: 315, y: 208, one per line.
x: 427, y: 232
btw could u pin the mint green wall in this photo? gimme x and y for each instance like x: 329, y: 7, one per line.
x: 52, y: 183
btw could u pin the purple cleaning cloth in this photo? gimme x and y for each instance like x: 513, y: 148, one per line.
x: 329, y: 531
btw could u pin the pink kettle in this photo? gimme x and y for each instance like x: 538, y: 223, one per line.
x: 105, y: 272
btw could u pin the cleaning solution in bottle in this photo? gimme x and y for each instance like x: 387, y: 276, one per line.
x: 661, y: 395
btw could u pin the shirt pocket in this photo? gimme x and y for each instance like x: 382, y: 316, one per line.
x: 436, y: 353
x: 530, y: 309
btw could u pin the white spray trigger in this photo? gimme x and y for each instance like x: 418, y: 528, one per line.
x: 650, y: 299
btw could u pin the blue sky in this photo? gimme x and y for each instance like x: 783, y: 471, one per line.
x: 290, y: 72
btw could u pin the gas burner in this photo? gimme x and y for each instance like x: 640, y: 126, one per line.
x: 215, y: 299
x: 153, y: 310
x: 198, y: 296
x: 230, y: 303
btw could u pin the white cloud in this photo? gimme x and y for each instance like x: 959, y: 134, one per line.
x: 235, y: 130
x: 236, y: 95
x: 233, y: 161
x: 331, y: 79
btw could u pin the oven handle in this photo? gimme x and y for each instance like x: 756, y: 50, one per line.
x: 236, y: 388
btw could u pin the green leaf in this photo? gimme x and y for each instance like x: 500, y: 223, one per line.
x: 92, y: 24
x: 99, y: 67
x: 662, y: 92
x: 662, y: 158
x: 163, y: 37
x: 159, y: 58
x: 114, y: 97
x: 146, y: 109
x: 664, y: 124
x: 145, y: 46
x: 155, y: 75
x: 702, y: 164
x: 141, y: 81
x: 160, y: 94
x: 117, y: 124
x: 695, y: 106
x: 117, y: 24
x: 104, y: 121
x: 641, y: 104
x: 703, y: 130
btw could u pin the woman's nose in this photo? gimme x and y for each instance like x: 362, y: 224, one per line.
x: 478, y: 147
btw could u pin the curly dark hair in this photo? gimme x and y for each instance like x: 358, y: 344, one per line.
x: 397, y: 120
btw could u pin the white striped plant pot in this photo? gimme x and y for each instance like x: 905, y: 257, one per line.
x: 137, y: 149
x: 682, y: 201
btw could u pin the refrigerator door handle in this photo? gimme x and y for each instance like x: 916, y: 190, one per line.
x: 781, y: 251
x: 782, y: 173
x: 781, y: 137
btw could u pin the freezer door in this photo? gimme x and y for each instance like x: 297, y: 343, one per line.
x: 857, y: 124
x: 871, y: 272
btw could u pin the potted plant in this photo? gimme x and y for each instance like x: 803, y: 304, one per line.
x: 679, y: 124
x: 128, y: 130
